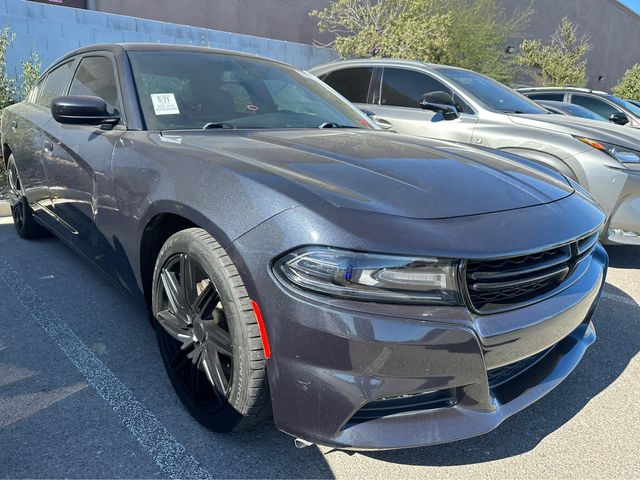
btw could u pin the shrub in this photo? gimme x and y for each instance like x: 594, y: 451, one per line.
x: 629, y: 84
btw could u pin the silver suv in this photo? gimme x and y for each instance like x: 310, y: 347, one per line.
x: 454, y: 104
x: 615, y: 109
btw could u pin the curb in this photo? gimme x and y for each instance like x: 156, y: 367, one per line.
x: 5, y: 208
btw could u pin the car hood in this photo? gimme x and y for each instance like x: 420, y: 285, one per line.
x: 383, y: 172
x: 603, y: 131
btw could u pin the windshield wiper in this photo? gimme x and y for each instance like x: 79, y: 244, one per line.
x: 506, y: 110
x: 212, y: 125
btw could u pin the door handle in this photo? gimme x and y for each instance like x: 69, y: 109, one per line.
x: 48, y: 147
x: 14, y: 125
x: 386, y: 124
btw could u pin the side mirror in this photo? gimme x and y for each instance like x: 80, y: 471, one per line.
x: 619, y: 118
x: 82, y: 110
x: 440, y: 102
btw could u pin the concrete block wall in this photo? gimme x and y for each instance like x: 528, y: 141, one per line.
x: 55, y: 30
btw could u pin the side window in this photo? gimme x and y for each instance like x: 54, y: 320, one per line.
x: 55, y: 84
x: 556, y: 97
x: 351, y: 83
x: 33, y: 94
x: 595, y: 105
x: 404, y: 88
x: 95, y: 77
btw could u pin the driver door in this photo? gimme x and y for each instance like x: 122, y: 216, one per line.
x: 78, y: 159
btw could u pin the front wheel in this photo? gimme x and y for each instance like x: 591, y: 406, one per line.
x: 208, y: 334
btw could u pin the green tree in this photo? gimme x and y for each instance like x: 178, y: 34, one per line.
x: 467, y: 33
x: 7, y: 83
x: 30, y: 72
x: 386, y: 28
x: 479, y: 37
x: 559, y: 63
x: 629, y: 84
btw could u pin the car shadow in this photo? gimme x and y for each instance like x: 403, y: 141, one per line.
x: 623, y: 256
x: 617, y: 343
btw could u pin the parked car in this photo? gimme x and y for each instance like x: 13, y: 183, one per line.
x: 563, y: 108
x: 617, y: 110
x: 369, y: 289
x: 448, y: 103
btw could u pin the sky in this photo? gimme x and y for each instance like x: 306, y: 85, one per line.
x: 632, y: 4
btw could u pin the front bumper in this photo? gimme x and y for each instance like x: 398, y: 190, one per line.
x: 332, y: 359
x: 336, y: 361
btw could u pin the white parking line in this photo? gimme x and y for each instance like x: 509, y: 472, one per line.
x: 170, y: 455
x: 620, y: 299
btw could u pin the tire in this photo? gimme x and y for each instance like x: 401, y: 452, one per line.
x: 21, y: 211
x: 208, y: 335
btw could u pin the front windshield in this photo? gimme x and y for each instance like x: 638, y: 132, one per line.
x: 628, y: 105
x: 194, y: 90
x: 491, y: 94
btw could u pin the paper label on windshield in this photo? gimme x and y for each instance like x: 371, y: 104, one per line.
x: 164, y: 104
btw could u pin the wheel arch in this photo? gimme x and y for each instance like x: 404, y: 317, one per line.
x: 164, y: 220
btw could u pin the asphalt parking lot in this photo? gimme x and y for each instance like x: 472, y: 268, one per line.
x: 83, y: 393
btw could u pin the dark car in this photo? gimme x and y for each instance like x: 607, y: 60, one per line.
x: 615, y: 109
x: 563, y: 108
x: 370, y: 290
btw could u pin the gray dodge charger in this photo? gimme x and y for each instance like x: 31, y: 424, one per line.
x: 366, y: 289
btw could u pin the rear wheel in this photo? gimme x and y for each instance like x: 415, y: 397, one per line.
x: 21, y: 211
x: 207, y: 333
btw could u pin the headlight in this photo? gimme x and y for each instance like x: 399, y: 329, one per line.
x: 622, y: 154
x: 371, y: 277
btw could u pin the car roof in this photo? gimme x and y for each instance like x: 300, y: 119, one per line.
x: 396, y: 62
x: 120, y: 48
x: 561, y: 89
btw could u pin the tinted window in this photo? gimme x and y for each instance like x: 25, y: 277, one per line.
x: 403, y: 88
x: 595, y: 105
x: 55, y: 84
x: 556, y: 97
x: 493, y: 95
x: 351, y: 83
x: 95, y: 77
x: 190, y: 90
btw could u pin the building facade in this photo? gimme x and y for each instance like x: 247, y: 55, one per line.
x: 613, y: 29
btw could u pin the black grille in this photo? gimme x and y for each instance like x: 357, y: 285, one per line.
x: 501, y: 375
x: 503, y: 284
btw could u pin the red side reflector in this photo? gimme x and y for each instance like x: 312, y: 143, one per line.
x: 263, y: 331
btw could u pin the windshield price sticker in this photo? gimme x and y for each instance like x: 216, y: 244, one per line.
x: 164, y: 104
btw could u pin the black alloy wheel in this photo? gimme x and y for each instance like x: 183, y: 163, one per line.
x: 208, y: 334
x: 195, y: 331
